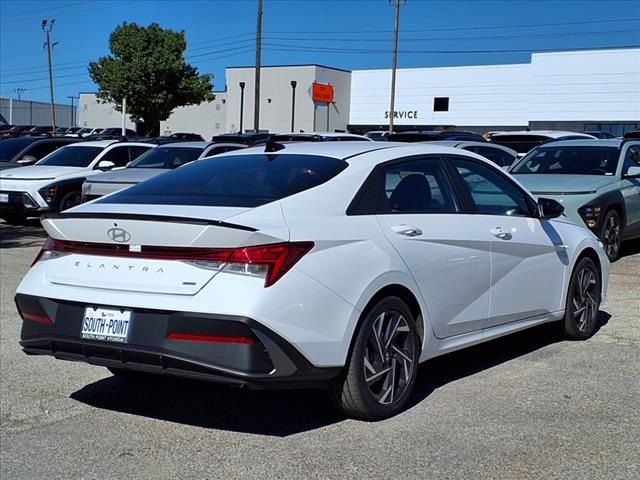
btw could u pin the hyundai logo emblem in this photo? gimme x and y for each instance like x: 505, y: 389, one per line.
x: 119, y: 235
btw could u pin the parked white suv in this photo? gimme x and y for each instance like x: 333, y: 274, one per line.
x: 55, y: 182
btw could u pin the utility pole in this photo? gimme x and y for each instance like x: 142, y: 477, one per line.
x: 19, y: 92
x: 256, y: 112
x: 395, y: 62
x: 73, y: 117
x: 47, y: 30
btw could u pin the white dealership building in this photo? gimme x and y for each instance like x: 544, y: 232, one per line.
x: 572, y: 90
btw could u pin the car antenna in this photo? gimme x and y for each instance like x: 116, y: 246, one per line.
x: 272, y: 146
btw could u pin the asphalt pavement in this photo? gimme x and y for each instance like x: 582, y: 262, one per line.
x: 528, y: 406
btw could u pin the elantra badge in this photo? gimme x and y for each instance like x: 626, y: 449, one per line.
x: 119, y: 235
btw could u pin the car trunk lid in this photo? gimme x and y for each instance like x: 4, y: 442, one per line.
x: 172, y: 253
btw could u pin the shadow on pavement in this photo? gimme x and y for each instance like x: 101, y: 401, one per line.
x: 442, y: 370
x: 31, y: 234
x: 631, y: 247
x: 286, y: 412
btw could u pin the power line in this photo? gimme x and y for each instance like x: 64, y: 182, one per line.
x: 593, y: 22
x: 287, y: 48
x: 490, y: 37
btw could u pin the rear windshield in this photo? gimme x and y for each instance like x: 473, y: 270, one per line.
x: 166, y: 157
x: 233, y: 181
x: 72, y: 156
x: 587, y: 160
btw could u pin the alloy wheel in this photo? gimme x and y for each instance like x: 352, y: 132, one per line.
x: 611, y: 236
x: 70, y: 201
x: 389, y: 357
x: 585, y: 305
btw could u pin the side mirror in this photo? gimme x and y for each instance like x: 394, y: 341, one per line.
x: 549, y: 208
x: 633, y: 172
x: 105, y: 165
x: 28, y: 159
x: 129, y: 164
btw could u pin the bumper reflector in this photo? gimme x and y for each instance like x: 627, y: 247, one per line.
x: 37, y: 318
x: 209, y: 338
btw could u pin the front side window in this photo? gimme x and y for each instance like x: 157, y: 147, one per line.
x: 72, y: 156
x: 233, y: 181
x: 166, y: 157
x: 570, y: 160
x: 632, y: 158
x: 497, y: 156
x: 118, y: 155
x: 11, y: 147
x: 491, y: 192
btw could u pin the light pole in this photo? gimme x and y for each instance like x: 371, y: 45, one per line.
x: 47, y: 30
x: 293, y: 103
x: 256, y: 101
x: 392, y: 107
x: 19, y: 92
x: 242, y: 84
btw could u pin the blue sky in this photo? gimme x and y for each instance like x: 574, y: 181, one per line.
x: 349, y: 34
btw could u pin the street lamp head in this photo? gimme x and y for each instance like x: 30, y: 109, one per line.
x: 242, y: 84
x: 293, y: 84
x: 44, y: 24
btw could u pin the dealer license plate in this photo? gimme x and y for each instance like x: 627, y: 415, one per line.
x: 106, y: 324
x: 4, y: 198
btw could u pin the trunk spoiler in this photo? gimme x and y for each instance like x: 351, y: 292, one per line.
x: 148, y: 218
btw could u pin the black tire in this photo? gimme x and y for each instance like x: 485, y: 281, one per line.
x: 70, y: 200
x: 611, y: 234
x: 15, y: 219
x: 583, y: 301
x: 391, y: 368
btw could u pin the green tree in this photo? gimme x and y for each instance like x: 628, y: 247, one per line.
x: 148, y: 68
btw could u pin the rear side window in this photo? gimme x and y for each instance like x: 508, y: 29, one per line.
x: 418, y: 187
x: 233, y: 181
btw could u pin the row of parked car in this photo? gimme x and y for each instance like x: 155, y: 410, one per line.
x: 15, y: 131
x: 598, y: 181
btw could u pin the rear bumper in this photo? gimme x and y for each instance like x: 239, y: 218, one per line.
x: 267, y: 361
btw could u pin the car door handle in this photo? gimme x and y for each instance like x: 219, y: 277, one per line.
x: 406, y: 230
x: 501, y: 233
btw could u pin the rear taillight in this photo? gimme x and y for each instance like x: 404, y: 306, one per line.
x: 52, y: 248
x: 270, y: 261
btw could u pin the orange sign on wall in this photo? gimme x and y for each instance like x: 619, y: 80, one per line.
x: 322, y: 93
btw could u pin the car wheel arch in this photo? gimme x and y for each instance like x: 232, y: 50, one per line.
x: 65, y: 187
x: 586, y: 252
x: 407, y: 296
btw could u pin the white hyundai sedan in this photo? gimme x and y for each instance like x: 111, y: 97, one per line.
x: 341, y: 265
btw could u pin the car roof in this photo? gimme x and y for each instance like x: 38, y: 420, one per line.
x: 605, y: 142
x: 96, y: 143
x: 542, y: 133
x: 349, y: 150
x: 472, y: 143
x: 194, y: 144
